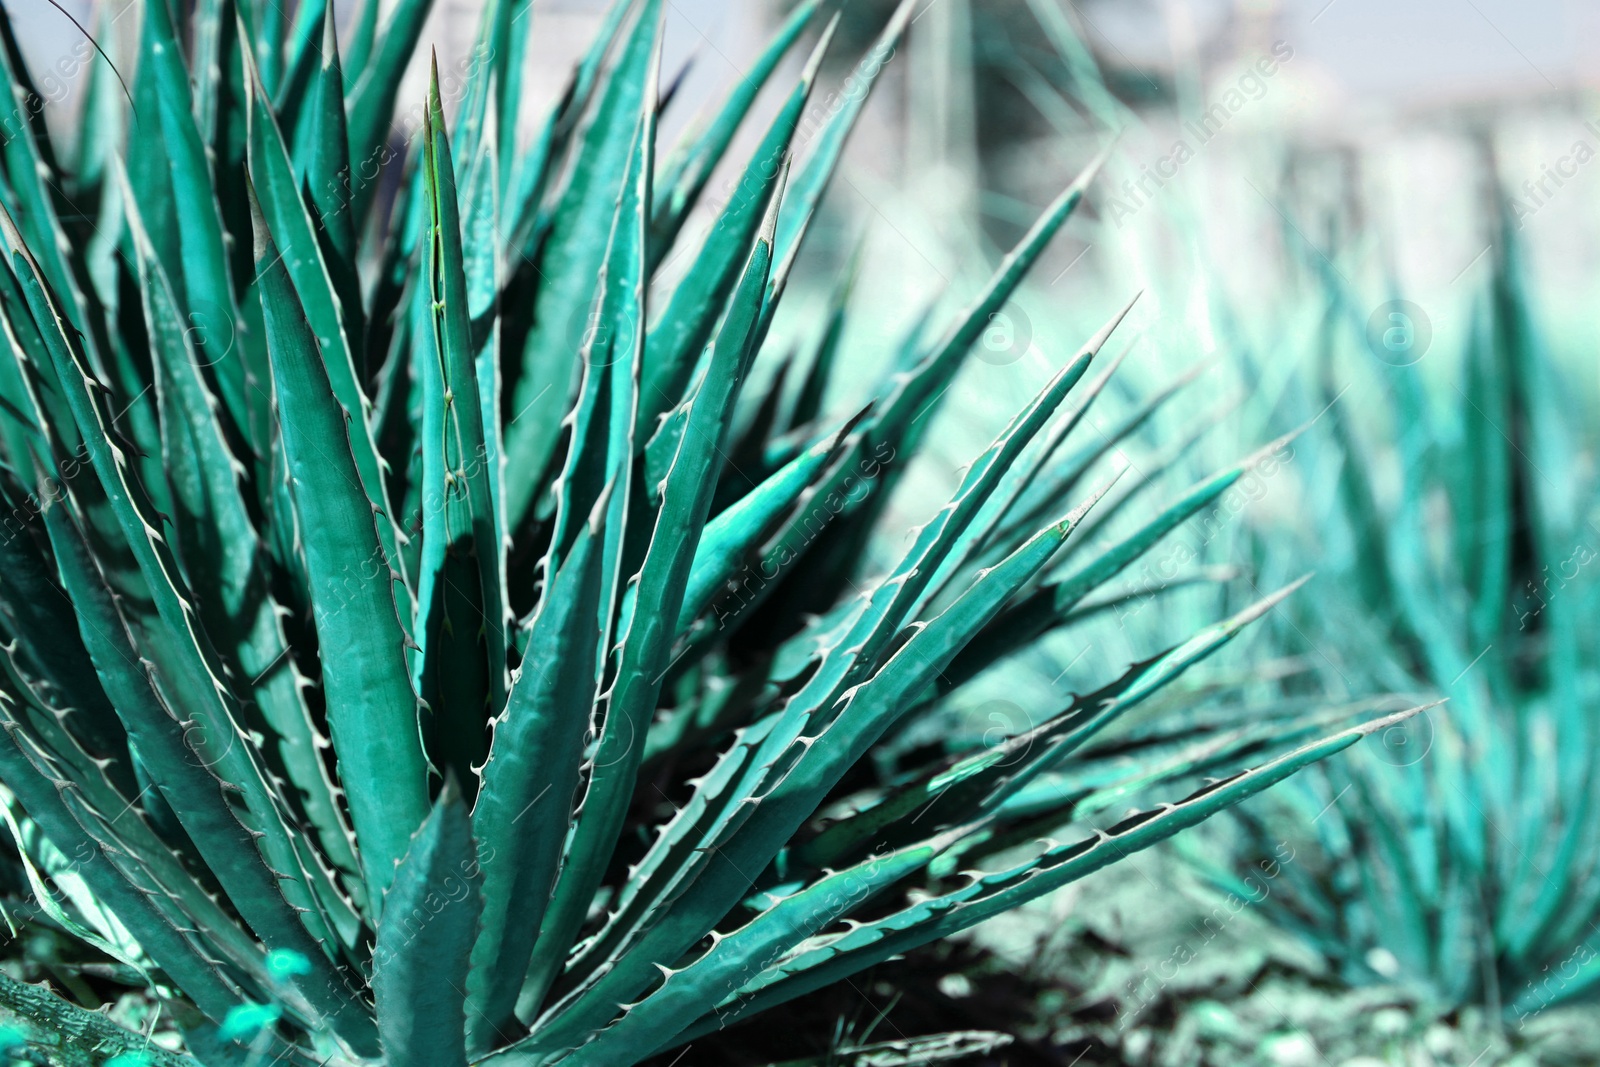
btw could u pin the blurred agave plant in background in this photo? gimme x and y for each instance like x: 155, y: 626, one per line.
x: 295, y: 445
x: 1462, y: 861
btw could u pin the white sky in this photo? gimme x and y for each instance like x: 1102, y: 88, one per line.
x: 1385, y: 51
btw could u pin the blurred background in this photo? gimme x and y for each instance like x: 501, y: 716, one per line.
x: 1372, y: 222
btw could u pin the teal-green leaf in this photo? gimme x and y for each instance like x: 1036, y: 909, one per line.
x: 729, y: 536
x: 685, y: 172
x: 294, y: 235
x: 194, y: 790
x: 530, y: 781
x: 375, y: 85
x: 207, y: 288
x: 461, y: 618
x: 570, y: 262
x: 673, y: 347
x: 225, y: 559
x: 372, y: 709
x: 646, y: 642
x: 194, y: 679
x: 322, y: 157
x: 419, y: 965
x: 827, y: 959
x: 784, y: 775
x: 157, y: 933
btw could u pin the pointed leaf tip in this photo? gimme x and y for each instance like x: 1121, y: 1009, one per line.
x: 1386, y: 721
x: 808, y: 76
x: 1267, y: 603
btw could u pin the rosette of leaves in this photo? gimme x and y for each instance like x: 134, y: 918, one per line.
x: 397, y: 665
x: 1459, y: 856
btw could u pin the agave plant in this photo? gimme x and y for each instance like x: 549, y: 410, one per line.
x: 398, y: 667
x: 1462, y: 861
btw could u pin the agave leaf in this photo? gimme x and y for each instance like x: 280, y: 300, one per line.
x: 1052, y: 798
x: 1004, y: 461
x: 50, y: 737
x: 541, y: 443
x: 600, y: 457
x: 828, y: 958
x: 1150, y: 473
x: 51, y: 877
x: 195, y: 792
x: 677, y: 338
x: 362, y: 34
x: 374, y: 85
x: 909, y: 1051
x: 688, y: 168
x: 27, y: 113
x: 570, y: 260
x: 1051, y: 605
x: 322, y: 159
x: 983, y: 782
x: 20, y: 421
x: 485, y: 276
x: 279, y: 196
x: 208, y: 290
x: 863, y: 630
x: 1015, y: 490
x: 157, y: 934
x: 223, y: 115
x: 372, y: 709
x: 1034, y: 495
x: 39, y: 620
x: 691, y: 990
x: 892, y: 430
x: 479, y: 118
x: 673, y: 855
x: 646, y: 640
x: 102, y: 131
x: 272, y: 25
x: 735, y: 531
x: 196, y: 683
x: 533, y: 764
x: 34, y: 609
x: 211, y: 23
x: 33, y: 180
x: 461, y: 621
x: 129, y: 374
x: 944, y: 543
x: 509, y: 80
x: 532, y: 169
x: 419, y: 965
x: 811, y: 180
x: 112, y: 818
x: 38, y: 412
x: 225, y: 560
x: 785, y: 777
x: 305, y: 57
x: 808, y: 402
